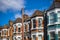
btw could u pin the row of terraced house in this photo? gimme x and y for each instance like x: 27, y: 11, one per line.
x: 42, y: 25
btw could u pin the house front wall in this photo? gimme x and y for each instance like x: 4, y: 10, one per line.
x: 54, y: 24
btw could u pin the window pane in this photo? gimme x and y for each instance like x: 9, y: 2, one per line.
x: 52, y: 35
x: 53, y: 17
x: 18, y: 24
x: 58, y: 19
x: 34, y: 37
x: 4, y: 32
x: 59, y: 34
x: 14, y: 28
x: 34, y: 23
x: 39, y: 22
x: 59, y: 39
x: 18, y: 29
x: 19, y: 38
x: 39, y: 37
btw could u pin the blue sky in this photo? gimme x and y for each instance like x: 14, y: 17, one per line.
x: 11, y: 9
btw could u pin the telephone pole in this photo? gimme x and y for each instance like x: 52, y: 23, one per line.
x: 22, y: 24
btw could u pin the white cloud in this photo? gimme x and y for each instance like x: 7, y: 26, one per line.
x: 14, y: 4
x: 17, y: 15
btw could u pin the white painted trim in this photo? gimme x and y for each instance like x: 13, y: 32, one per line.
x: 18, y: 23
x: 37, y: 33
x: 3, y: 30
x: 4, y: 38
x: 54, y: 23
x: 36, y: 18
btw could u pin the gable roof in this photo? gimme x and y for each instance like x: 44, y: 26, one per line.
x: 25, y: 16
x: 56, y: 4
x: 37, y: 13
x: 18, y: 20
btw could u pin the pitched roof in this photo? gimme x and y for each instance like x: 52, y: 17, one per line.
x: 18, y: 20
x: 6, y: 27
x: 1, y: 28
x: 25, y: 16
x: 56, y: 4
x: 37, y: 13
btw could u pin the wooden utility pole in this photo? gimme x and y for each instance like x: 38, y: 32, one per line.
x: 22, y: 24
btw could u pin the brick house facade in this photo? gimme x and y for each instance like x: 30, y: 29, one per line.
x: 33, y: 28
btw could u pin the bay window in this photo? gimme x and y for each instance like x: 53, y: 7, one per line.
x: 39, y: 22
x: 53, y: 17
x: 58, y: 16
x: 52, y: 35
x: 34, y: 23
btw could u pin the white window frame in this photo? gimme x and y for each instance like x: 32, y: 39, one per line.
x: 51, y: 31
x: 41, y: 37
x: 32, y: 36
x: 41, y: 24
x: 28, y: 25
x: 6, y: 31
x: 25, y: 23
x: 32, y: 23
x: 14, y: 25
x: 18, y: 26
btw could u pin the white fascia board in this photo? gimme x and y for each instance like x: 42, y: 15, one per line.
x: 54, y: 10
x: 57, y: 9
x: 39, y: 17
x: 4, y: 29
